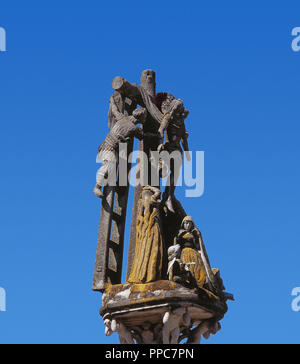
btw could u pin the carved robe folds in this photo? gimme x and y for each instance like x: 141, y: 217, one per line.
x: 192, y: 258
x: 148, y: 258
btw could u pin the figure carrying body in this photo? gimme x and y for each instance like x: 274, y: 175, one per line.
x: 108, y: 153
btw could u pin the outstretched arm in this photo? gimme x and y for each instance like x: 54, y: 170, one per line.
x: 126, y: 88
x: 163, y: 126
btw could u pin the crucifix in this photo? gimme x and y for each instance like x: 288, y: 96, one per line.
x: 171, y: 292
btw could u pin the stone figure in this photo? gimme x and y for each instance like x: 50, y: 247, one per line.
x: 149, y: 251
x: 119, y: 106
x: 148, y: 333
x: 112, y: 326
x: 204, y: 329
x: 172, y: 133
x: 188, y: 260
x: 174, y: 321
x: 108, y: 153
x: 185, y: 256
x: 171, y: 294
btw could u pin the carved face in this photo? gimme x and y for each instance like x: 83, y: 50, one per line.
x: 188, y: 225
x: 148, y: 76
x: 148, y: 80
x: 147, y: 196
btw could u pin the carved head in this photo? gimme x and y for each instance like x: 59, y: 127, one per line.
x: 148, y: 81
x: 169, y: 104
x: 140, y: 115
x: 147, y: 195
x: 187, y: 223
x: 166, y: 104
x: 150, y: 193
x: 174, y: 252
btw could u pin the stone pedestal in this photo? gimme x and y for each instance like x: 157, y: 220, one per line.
x: 161, y: 312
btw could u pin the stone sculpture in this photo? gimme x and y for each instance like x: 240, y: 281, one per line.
x: 149, y: 252
x: 188, y: 260
x: 173, y: 127
x: 171, y: 293
x: 123, y: 130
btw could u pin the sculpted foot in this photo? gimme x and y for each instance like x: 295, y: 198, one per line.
x: 169, y: 204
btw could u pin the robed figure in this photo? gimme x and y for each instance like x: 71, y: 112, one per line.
x: 149, y: 250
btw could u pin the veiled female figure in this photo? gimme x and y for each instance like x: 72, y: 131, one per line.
x: 188, y: 239
x: 148, y: 257
x: 189, y: 252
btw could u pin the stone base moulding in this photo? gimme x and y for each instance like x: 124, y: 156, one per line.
x: 161, y: 312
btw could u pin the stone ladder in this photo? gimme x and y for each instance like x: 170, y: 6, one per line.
x: 110, y: 245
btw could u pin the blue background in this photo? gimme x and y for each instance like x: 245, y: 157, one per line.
x: 232, y: 64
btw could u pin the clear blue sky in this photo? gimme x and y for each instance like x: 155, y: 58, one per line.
x: 232, y: 64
